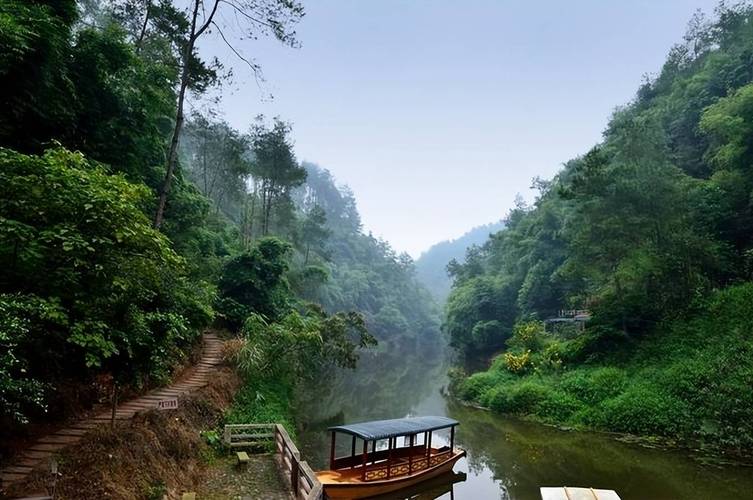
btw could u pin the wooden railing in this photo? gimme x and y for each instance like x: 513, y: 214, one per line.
x: 403, y: 466
x: 378, y: 456
x: 248, y: 435
x: 301, y: 479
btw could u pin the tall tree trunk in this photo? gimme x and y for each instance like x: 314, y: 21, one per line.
x: 172, y: 156
x: 204, y: 167
x: 147, y: 14
x: 265, y: 197
x: 185, y: 75
x: 253, y: 213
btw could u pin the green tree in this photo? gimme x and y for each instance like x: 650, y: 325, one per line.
x: 217, y: 161
x: 314, y: 232
x: 266, y: 17
x: 108, y: 293
x: 37, y: 88
x: 277, y: 171
x: 255, y: 282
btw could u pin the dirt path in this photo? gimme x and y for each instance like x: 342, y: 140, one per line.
x: 259, y: 479
x: 43, y: 448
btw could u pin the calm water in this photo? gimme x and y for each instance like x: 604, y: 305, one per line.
x: 507, y: 458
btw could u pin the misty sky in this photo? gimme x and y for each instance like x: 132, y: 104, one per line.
x: 436, y: 113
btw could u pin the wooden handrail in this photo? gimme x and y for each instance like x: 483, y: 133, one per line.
x: 398, y: 468
x: 302, y: 480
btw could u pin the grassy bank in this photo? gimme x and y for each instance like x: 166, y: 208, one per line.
x: 689, y: 380
x: 265, y: 400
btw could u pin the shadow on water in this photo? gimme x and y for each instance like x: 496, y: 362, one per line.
x: 438, y: 487
x: 507, y: 458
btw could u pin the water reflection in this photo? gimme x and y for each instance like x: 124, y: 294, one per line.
x: 439, y: 487
x: 507, y: 458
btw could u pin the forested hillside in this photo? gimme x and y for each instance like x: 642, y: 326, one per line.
x: 431, y: 266
x: 127, y: 227
x: 650, y: 231
x: 365, y: 273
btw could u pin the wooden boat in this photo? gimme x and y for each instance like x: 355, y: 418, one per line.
x: 388, y: 468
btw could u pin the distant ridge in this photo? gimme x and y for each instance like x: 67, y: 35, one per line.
x: 431, y: 265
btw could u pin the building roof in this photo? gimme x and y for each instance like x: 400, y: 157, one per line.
x: 382, y: 429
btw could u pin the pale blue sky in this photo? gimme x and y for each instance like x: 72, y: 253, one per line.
x: 437, y: 113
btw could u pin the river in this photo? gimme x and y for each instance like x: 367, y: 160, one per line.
x: 507, y: 458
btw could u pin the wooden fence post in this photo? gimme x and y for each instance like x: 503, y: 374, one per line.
x: 294, y: 474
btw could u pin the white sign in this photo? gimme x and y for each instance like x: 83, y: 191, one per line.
x: 168, y: 404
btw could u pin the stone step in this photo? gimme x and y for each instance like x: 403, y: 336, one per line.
x: 88, y: 424
x: 70, y: 432
x: 46, y: 446
x: 136, y: 406
x: 54, y: 438
x: 38, y: 455
x: 168, y: 390
x: 11, y: 477
x: 43, y: 448
x: 16, y: 469
x: 27, y: 462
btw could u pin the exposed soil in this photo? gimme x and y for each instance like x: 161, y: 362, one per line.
x: 157, y: 454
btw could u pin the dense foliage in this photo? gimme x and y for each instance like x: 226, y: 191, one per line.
x: 124, y: 231
x: 362, y: 272
x: 651, y: 232
x: 93, y: 284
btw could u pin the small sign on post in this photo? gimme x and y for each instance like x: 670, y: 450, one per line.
x: 168, y: 404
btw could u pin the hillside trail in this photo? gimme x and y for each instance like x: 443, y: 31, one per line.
x: 46, y: 446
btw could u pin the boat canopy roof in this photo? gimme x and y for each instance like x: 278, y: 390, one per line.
x: 382, y: 429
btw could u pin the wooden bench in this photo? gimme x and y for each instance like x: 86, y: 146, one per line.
x: 189, y: 496
x: 242, y: 457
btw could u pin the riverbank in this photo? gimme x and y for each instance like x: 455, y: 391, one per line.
x: 510, y: 457
x: 686, y: 383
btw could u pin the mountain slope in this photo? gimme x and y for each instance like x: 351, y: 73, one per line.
x: 431, y: 265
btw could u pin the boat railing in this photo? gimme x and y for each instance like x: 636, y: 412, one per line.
x: 378, y: 456
x: 298, y: 474
x: 405, y: 465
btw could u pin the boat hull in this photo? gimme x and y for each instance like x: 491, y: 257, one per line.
x: 359, y: 489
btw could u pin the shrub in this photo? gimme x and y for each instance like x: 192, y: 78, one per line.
x: 558, y: 406
x: 477, y: 385
x: 644, y: 409
x: 498, y: 399
x: 529, y: 335
x: 595, y: 385
x: 518, y: 363
x: 264, y: 400
x: 525, y: 396
x: 254, y: 282
x: 551, y: 357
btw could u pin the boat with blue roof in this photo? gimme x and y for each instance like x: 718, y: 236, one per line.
x: 383, y: 456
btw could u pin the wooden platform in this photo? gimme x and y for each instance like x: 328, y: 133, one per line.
x: 569, y: 493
